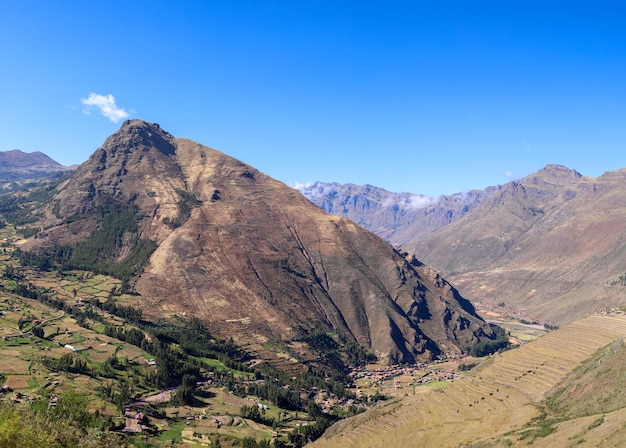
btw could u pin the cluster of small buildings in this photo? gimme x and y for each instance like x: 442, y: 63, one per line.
x: 384, y: 379
x: 15, y: 397
x: 498, y: 309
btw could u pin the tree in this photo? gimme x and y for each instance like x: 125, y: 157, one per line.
x: 38, y: 332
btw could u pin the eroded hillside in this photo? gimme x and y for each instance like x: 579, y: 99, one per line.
x: 246, y: 254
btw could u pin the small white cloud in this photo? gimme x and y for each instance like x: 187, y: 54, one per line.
x: 421, y: 201
x: 508, y: 174
x: 409, y: 200
x: 106, y: 105
x: 301, y: 185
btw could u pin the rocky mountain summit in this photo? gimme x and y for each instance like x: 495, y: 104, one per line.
x: 203, y: 235
x: 552, y: 244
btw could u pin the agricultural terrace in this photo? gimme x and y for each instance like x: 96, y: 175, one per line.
x: 499, y: 399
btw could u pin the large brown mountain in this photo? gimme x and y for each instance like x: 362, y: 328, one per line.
x: 245, y: 253
x: 552, y: 244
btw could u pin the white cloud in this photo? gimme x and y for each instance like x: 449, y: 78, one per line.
x: 508, y: 174
x: 301, y: 185
x: 421, y: 201
x: 106, y: 105
x: 409, y: 200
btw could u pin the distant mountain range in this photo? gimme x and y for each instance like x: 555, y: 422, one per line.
x: 551, y: 245
x: 16, y: 165
x: 203, y: 235
x: 400, y: 218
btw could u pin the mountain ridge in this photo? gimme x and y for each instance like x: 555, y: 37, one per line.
x: 16, y: 165
x: 397, y: 217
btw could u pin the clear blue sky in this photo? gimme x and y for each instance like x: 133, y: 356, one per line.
x: 429, y: 97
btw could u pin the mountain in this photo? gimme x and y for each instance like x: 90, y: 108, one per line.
x: 400, y: 218
x: 199, y: 234
x: 551, y: 246
x: 17, y: 165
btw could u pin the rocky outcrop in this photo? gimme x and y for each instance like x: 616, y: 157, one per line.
x: 400, y: 218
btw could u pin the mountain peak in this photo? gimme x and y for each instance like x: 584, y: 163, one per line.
x: 139, y: 134
x: 16, y: 165
x: 17, y: 158
x: 140, y: 124
x: 555, y: 174
x: 234, y: 247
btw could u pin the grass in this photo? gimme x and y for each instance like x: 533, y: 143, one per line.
x: 219, y: 366
x: 597, y: 386
x: 173, y: 433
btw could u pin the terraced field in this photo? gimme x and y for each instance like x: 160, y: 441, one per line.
x: 489, y: 407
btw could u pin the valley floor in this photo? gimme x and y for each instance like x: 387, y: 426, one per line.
x: 500, y: 404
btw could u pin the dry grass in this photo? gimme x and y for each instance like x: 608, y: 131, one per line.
x: 16, y: 382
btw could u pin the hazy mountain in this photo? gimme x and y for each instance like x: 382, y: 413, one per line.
x: 244, y: 253
x: 17, y: 165
x: 400, y: 218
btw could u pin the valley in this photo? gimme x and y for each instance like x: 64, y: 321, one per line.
x: 166, y: 294
x: 548, y: 246
x: 46, y: 354
x: 70, y: 347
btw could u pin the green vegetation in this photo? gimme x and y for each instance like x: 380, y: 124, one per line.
x: 597, y: 386
x: 489, y: 346
x: 68, y: 424
x: 335, y: 350
x: 19, y: 208
x: 185, y: 205
x: 620, y: 281
x: 538, y: 427
x: 183, y: 353
x: 100, y: 252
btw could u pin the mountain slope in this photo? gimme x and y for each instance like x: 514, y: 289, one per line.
x: 245, y: 253
x: 552, y: 244
x: 17, y: 165
x: 19, y: 169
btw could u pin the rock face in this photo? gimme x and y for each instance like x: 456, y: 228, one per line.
x: 552, y: 244
x: 237, y: 247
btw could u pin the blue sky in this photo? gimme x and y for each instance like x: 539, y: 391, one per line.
x: 428, y: 97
